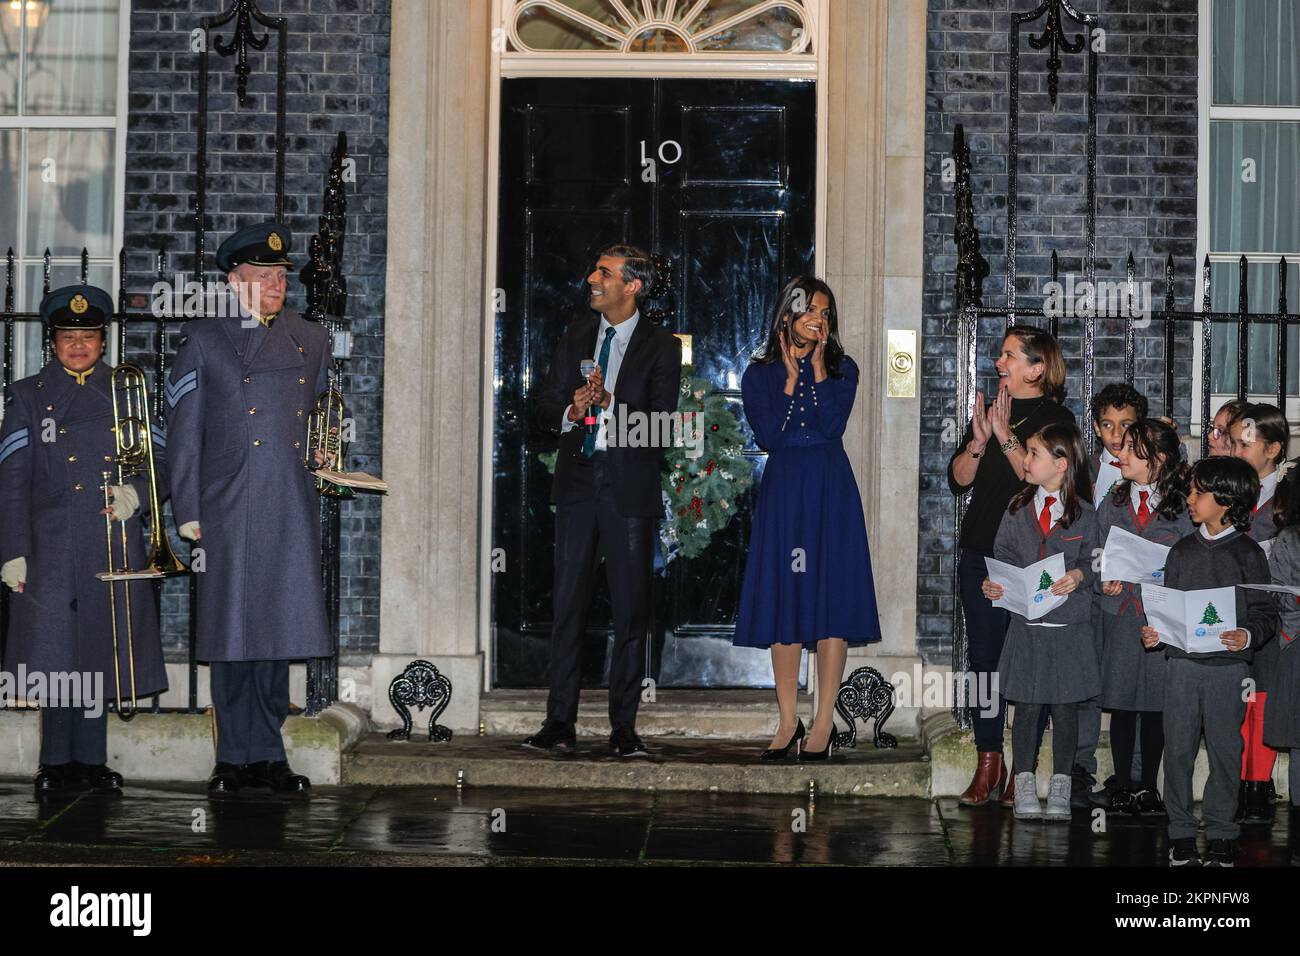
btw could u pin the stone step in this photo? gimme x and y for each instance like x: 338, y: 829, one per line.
x: 180, y: 746
x: 676, y: 763
x: 696, y: 714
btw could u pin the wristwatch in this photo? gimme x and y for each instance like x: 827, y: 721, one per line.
x: 974, y: 454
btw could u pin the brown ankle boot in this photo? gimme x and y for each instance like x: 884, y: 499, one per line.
x: 990, y: 774
x: 1008, y: 800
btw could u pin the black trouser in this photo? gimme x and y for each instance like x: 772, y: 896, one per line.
x: 251, y: 700
x: 1123, y: 737
x: 585, y: 532
x: 986, y: 629
x: 68, y: 734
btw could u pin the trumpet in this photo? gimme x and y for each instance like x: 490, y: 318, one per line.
x: 133, y: 439
x: 325, y: 435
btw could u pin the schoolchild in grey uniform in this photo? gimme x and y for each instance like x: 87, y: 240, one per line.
x: 1203, y: 691
x: 1282, y: 718
x: 1051, y: 662
x: 1260, y: 437
x: 1114, y: 410
x: 1151, y: 502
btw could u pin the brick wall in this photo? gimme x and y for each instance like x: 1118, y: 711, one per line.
x: 337, y: 80
x: 1146, y: 204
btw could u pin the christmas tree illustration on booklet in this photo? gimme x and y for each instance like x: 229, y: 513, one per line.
x: 1211, y: 615
x: 1044, y: 582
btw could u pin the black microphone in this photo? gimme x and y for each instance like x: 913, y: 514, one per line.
x: 586, y: 367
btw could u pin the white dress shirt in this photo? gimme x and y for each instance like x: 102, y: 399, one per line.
x: 622, y: 336
x: 1107, y: 475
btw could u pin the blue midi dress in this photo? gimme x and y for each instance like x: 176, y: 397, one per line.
x: 808, y: 575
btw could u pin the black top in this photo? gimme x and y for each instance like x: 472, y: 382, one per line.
x: 996, y: 483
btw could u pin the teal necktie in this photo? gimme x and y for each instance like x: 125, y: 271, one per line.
x: 589, y: 442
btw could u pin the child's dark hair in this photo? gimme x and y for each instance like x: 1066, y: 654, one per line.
x: 1118, y: 395
x: 1286, y: 500
x: 1157, y: 444
x: 1233, y: 483
x: 1062, y: 440
x: 1268, y: 425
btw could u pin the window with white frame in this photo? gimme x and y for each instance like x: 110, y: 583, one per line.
x: 1250, y: 178
x: 63, y: 70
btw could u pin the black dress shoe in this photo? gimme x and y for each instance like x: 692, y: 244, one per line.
x: 284, y: 780
x: 256, y: 774
x: 224, y: 779
x: 553, y: 736
x: 1147, y: 803
x: 626, y: 743
x: 51, y: 777
x: 101, y: 778
x: 1081, y: 782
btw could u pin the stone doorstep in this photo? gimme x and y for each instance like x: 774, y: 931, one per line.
x: 953, y: 760
x: 729, y: 766
x: 699, y: 714
x: 180, y: 746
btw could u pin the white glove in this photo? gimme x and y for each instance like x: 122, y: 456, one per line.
x: 124, y: 501
x: 14, y: 573
x: 190, y: 531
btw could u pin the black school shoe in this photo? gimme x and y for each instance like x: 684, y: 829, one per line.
x: 1081, y: 783
x: 1221, y: 853
x: 1122, y: 801
x: 1182, y: 852
x: 1147, y: 803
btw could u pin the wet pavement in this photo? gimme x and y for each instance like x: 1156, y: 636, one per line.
x: 164, y: 824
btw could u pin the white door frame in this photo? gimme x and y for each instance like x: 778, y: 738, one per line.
x: 505, y: 64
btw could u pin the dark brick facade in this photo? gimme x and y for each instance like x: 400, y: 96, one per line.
x: 1146, y: 204
x: 337, y: 80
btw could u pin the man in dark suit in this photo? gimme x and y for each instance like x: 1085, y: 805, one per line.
x: 239, y: 396
x: 607, y: 498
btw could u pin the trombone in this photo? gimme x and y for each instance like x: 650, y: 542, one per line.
x: 325, y: 434
x: 134, y: 458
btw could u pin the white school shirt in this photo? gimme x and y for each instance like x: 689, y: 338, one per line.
x: 1153, y: 496
x: 1215, y: 537
x: 1055, y: 511
x: 1107, y: 475
x: 622, y: 336
x: 1267, y: 486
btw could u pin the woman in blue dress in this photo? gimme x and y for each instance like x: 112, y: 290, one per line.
x: 808, y: 578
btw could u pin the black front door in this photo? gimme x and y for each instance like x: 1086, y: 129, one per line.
x: 731, y: 203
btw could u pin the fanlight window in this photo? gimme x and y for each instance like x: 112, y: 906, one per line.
x: 769, y: 27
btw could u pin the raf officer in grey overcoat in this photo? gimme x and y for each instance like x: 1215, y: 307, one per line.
x: 240, y: 394
x: 56, y: 444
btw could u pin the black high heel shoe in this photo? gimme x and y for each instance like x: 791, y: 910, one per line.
x: 811, y: 756
x: 796, y: 741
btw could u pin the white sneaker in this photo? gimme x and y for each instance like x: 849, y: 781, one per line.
x: 1058, y: 799
x: 1028, y: 806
